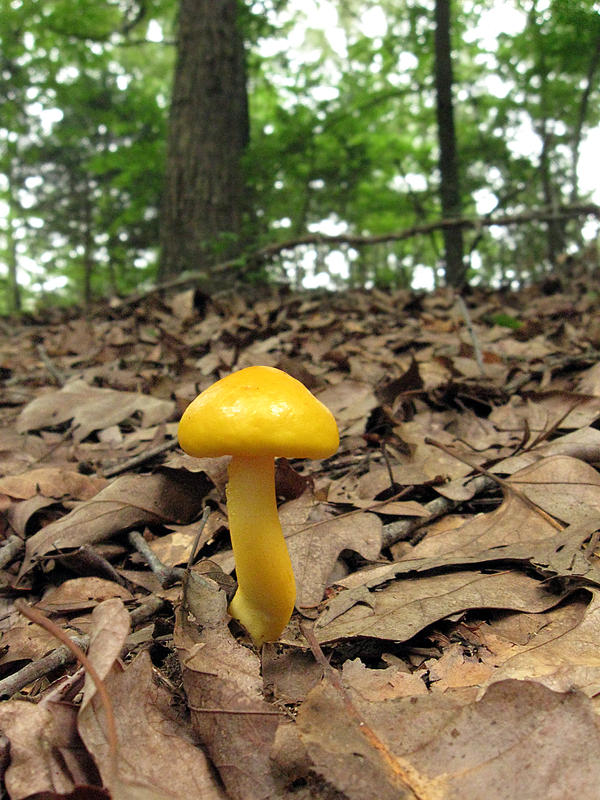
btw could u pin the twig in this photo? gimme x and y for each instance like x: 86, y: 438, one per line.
x: 63, y: 655
x: 403, y: 529
x: 12, y: 547
x: 269, y: 252
x: 166, y: 575
x: 140, y: 458
x: 240, y: 711
x: 201, y: 526
x: 472, y: 334
x: 58, y: 376
x: 88, y: 561
x: 388, y: 465
x: 38, y: 669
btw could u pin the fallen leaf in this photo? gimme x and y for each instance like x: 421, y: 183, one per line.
x: 224, y: 690
x: 570, y: 659
x: 155, y: 747
x: 447, y: 749
x: 315, y: 547
x: 407, y: 606
x: 91, y: 409
x: 53, y: 482
x: 43, y: 745
x: 80, y: 594
x: 132, y: 500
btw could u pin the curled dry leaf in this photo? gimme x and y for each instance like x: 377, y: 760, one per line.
x: 407, y: 606
x: 46, y: 753
x: 157, y: 758
x: 110, y: 627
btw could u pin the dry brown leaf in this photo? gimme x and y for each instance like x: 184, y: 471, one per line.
x: 53, y: 482
x: 542, y: 410
x: 520, y: 740
x: 350, y: 403
x: 46, y: 753
x: 568, y: 659
x: 454, y: 670
x: 155, y: 748
x: 26, y: 642
x: 407, y: 606
x: 583, y: 444
x: 288, y: 675
x: 358, y: 491
x: 381, y: 684
x: 80, y: 594
x: 315, y: 547
x: 165, y: 496
x: 91, y: 409
x: 328, y: 747
x: 224, y: 691
x: 110, y: 628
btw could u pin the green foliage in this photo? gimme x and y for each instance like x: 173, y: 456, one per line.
x: 84, y: 115
x: 343, y: 134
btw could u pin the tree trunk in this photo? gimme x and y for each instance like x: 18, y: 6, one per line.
x: 448, y: 160
x: 203, y: 201
x: 12, y: 259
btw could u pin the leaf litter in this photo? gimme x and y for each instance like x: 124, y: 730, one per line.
x: 447, y: 630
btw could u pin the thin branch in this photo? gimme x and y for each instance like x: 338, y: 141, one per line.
x: 54, y: 371
x: 267, y: 253
x: 405, y: 529
x: 139, y: 458
x: 166, y: 575
x: 472, y: 334
x: 63, y: 655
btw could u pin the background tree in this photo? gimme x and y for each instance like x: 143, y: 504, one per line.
x: 344, y: 139
x: 448, y: 160
x: 204, y: 200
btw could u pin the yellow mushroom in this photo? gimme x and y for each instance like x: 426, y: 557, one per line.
x: 254, y: 415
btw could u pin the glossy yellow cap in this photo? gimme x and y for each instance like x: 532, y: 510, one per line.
x: 258, y: 411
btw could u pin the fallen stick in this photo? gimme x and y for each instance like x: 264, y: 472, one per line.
x: 62, y: 655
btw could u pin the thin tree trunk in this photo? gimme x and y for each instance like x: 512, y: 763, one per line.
x: 204, y: 195
x: 11, y: 249
x: 448, y: 159
x: 88, y: 247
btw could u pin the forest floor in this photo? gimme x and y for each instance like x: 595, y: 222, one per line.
x: 446, y: 640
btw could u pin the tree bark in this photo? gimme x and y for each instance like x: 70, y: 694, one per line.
x: 448, y: 158
x: 203, y: 201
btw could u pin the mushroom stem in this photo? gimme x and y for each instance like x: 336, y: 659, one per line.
x: 266, y: 592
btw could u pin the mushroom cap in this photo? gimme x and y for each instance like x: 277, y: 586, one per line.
x: 258, y: 411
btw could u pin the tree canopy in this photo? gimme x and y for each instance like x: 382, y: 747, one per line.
x: 343, y: 137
